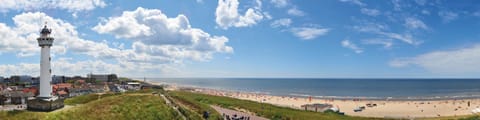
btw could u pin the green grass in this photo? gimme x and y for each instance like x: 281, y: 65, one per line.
x: 85, y: 98
x: 193, y: 109
x: 121, y: 107
x: 201, y: 102
x: 21, y: 115
x: 142, y: 105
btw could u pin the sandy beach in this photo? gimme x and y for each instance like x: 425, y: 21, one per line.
x: 385, y: 108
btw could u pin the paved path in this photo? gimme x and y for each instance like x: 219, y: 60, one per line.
x: 232, y: 112
x: 169, y: 103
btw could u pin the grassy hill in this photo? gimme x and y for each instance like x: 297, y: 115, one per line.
x: 201, y: 102
x: 121, y: 107
x: 146, y: 106
x: 109, y: 106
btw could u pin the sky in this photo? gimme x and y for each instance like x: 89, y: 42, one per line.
x: 245, y: 38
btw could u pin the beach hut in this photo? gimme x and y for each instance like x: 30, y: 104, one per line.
x: 317, y: 107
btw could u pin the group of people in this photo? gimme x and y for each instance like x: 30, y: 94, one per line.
x: 235, y: 117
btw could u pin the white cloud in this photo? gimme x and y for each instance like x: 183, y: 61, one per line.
x: 13, y: 42
x: 464, y: 60
x: 69, y: 67
x: 33, y: 5
x: 227, y: 14
x: 386, y: 43
x: 350, y: 45
x: 285, y: 22
x: 157, y: 35
x: 185, y: 43
x: 397, y: 6
x: 407, y: 38
x: 21, y: 38
x: 382, y: 30
x: 476, y: 14
x: 295, y: 12
x: 308, y: 33
x: 421, y: 2
x: 279, y: 3
x: 370, y: 12
x: 425, y: 12
x: 357, y: 2
x: 447, y: 16
x: 414, y: 23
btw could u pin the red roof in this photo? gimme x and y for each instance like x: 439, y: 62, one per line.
x: 62, y: 92
x: 62, y: 85
x: 31, y: 89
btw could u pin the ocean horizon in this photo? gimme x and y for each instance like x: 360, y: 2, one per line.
x: 342, y: 88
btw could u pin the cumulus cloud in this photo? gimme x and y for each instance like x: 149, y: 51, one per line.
x: 279, y: 3
x: 158, y: 53
x: 155, y: 34
x: 70, y: 5
x: 285, y: 22
x: 21, y: 38
x: 370, y: 12
x: 295, y: 12
x: 308, y: 33
x: 350, y: 45
x: 70, y: 67
x: 448, y: 16
x: 227, y: 14
x: 414, y: 23
x: 463, y: 60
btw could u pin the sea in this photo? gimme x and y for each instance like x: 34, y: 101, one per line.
x: 389, y: 89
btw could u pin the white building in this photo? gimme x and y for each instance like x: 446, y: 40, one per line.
x: 45, y: 41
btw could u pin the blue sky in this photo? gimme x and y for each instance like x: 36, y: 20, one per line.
x: 248, y: 38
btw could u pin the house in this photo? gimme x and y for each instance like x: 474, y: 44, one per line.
x: 21, y: 79
x: 80, y: 91
x: 14, y: 97
x: 62, y: 89
x: 33, y: 90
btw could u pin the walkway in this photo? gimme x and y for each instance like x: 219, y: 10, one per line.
x: 233, y: 112
x: 169, y: 103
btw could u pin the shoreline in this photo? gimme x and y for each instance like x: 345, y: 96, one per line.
x: 372, y: 98
x: 405, y: 109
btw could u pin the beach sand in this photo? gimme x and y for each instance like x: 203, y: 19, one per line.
x: 384, y: 109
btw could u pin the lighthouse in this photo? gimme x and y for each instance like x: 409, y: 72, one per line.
x: 45, y: 101
x: 45, y: 41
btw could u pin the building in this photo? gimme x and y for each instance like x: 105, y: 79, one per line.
x: 317, y: 107
x: 21, y: 79
x: 45, y: 101
x: 59, y: 79
x: 2, y: 80
x: 103, y: 77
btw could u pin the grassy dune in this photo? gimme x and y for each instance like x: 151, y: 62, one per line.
x: 201, y: 102
x: 85, y: 98
x: 121, y: 107
x: 142, y: 105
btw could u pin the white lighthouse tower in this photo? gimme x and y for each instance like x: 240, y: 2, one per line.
x: 45, y: 101
x: 45, y: 41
